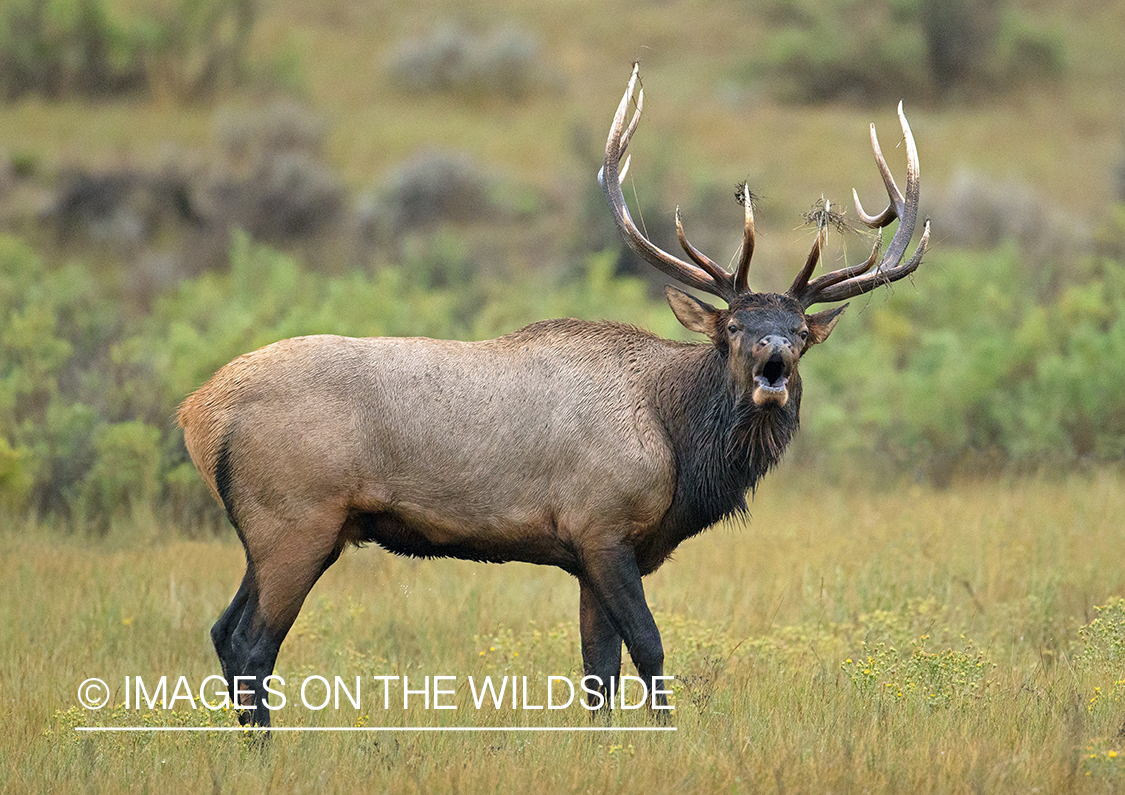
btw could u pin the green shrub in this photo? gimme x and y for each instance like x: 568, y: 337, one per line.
x: 975, y: 366
x: 62, y: 448
x: 16, y: 479
x: 56, y: 331
x: 883, y: 51
x: 949, y: 678
x: 125, y: 471
x: 56, y: 48
x: 505, y: 63
x: 840, y: 54
x: 59, y: 47
x: 1103, y: 638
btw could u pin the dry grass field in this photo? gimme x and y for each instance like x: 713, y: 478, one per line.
x: 842, y: 641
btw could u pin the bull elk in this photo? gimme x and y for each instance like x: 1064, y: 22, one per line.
x: 594, y: 447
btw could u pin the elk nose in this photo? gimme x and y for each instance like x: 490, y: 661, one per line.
x: 772, y: 342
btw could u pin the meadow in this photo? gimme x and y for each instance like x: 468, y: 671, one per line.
x: 929, y: 595
x: 879, y: 640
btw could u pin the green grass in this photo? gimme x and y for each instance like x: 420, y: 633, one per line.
x: 843, y: 640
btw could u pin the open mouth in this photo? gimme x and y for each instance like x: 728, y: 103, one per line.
x: 771, y: 382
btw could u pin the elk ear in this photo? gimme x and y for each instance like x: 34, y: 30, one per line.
x: 822, y: 323
x: 694, y: 314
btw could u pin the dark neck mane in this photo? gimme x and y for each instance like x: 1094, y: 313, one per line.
x: 722, y: 447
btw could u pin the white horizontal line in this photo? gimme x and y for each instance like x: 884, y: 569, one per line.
x: 375, y: 729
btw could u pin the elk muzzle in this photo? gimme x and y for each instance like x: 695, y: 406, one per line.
x: 774, y: 359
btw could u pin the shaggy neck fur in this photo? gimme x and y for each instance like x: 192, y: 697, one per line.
x: 723, y: 446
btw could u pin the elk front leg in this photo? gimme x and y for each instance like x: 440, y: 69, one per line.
x: 615, y: 581
x: 601, y: 645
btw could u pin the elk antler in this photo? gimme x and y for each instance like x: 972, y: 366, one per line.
x: 704, y: 274
x: 858, y: 279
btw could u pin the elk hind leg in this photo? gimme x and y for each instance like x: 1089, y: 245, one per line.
x: 223, y: 631
x: 283, y: 576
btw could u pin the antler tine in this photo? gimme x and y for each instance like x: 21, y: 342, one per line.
x: 905, y: 209
x: 801, y: 283
x: 874, y: 221
x: 835, y: 277
x: 627, y: 136
x: 741, y: 274
x: 849, y: 282
x: 897, y: 202
x: 624, y: 170
x: 850, y: 288
x: 705, y: 275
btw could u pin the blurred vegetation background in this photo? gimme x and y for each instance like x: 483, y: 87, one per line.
x: 181, y: 182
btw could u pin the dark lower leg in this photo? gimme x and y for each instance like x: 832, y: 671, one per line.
x: 601, y: 645
x: 615, y: 580
x: 224, y: 628
x: 279, y: 593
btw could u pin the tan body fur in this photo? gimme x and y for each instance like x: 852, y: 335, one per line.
x: 517, y: 448
x: 468, y: 440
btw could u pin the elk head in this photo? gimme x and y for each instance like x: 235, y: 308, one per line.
x: 764, y: 335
